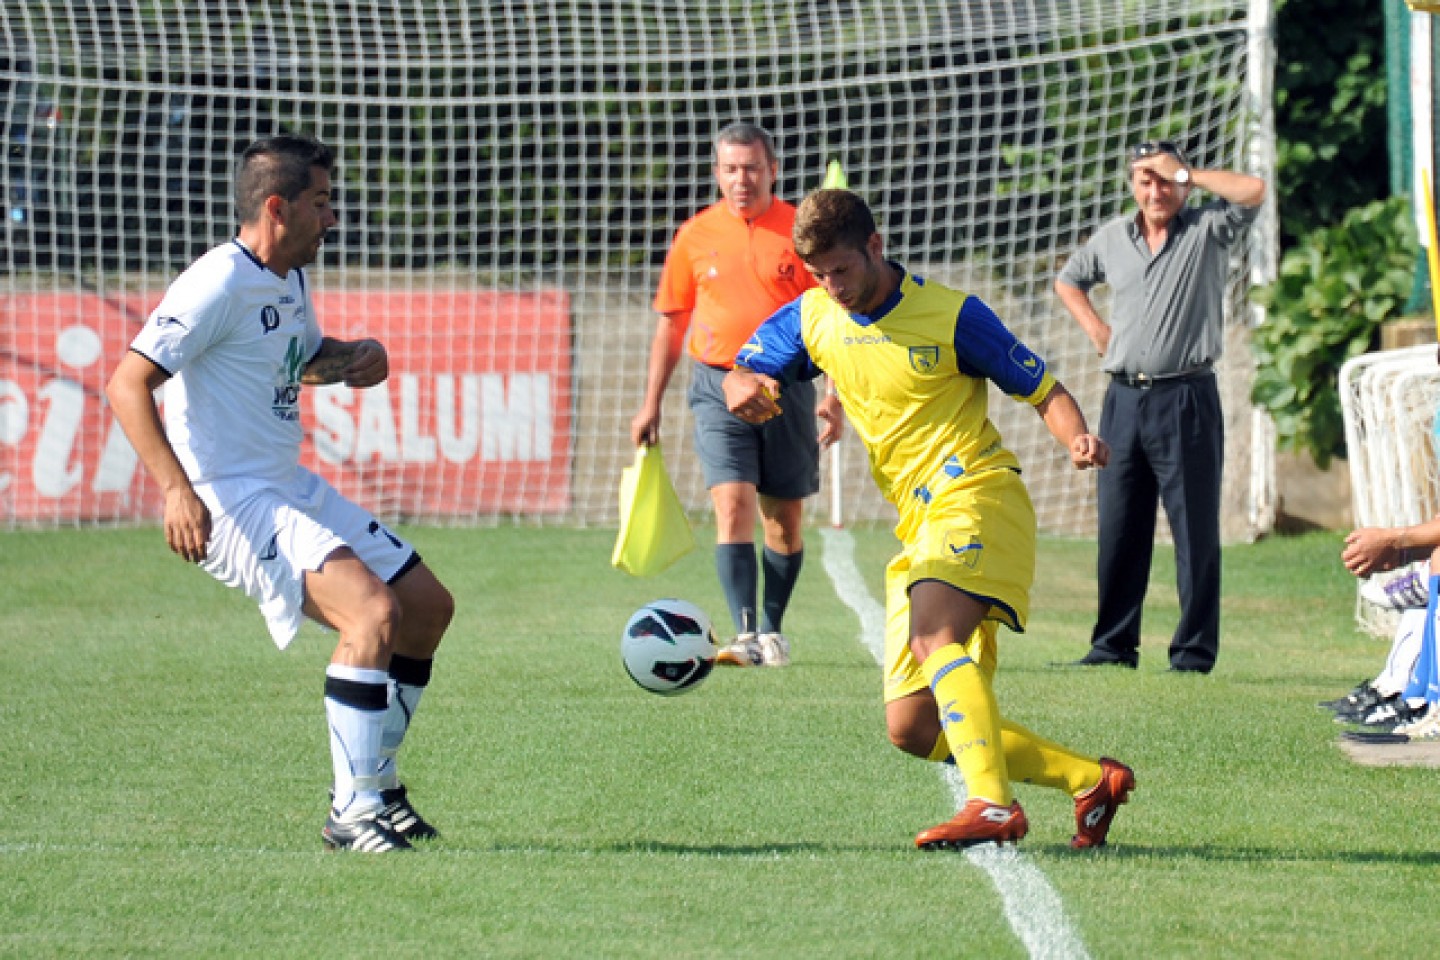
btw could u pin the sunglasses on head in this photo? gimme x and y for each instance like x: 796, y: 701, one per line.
x: 1149, y: 148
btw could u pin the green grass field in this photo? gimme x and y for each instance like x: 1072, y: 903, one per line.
x: 165, y: 768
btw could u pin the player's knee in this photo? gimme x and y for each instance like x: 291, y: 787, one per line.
x: 910, y: 739
x: 380, y: 615
x: 437, y: 611
x: 429, y: 608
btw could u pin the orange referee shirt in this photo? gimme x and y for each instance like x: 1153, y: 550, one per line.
x: 730, y: 275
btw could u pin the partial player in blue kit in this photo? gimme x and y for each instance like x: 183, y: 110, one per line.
x: 1404, y: 699
x: 233, y: 342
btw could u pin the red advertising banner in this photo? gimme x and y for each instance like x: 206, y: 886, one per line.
x: 474, y: 420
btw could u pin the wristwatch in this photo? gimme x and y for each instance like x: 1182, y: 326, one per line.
x: 1182, y: 176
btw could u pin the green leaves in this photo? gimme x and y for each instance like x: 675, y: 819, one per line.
x: 1335, y: 287
x: 1330, y: 94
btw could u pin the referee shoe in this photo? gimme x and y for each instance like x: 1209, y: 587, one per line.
x: 743, y: 651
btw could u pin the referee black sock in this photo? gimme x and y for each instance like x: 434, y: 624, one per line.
x: 781, y: 572
x: 739, y: 574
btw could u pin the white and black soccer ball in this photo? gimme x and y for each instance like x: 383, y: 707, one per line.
x: 668, y: 647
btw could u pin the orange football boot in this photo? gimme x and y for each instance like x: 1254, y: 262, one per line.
x: 979, y: 821
x: 1095, y: 808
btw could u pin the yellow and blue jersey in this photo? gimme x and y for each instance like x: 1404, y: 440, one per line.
x: 912, y: 377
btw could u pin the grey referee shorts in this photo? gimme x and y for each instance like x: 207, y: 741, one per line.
x: 781, y: 457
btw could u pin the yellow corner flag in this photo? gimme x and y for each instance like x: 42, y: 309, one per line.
x: 835, y: 178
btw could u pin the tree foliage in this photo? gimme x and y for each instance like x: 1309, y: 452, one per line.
x: 1349, y: 257
x: 1335, y: 289
x: 1330, y: 120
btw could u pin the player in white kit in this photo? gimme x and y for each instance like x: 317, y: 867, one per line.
x: 232, y: 342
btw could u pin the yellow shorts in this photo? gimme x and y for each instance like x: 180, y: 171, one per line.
x: 978, y: 535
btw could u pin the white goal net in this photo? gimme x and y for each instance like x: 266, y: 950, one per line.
x: 1389, y: 401
x: 510, y: 175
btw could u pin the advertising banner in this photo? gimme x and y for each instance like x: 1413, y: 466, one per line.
x: 475, y: 419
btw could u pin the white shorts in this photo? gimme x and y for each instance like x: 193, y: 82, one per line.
x: 263, y: 540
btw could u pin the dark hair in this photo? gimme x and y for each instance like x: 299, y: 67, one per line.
x: 277, y: 166
x: 746, y: 134
x: 829, y: 219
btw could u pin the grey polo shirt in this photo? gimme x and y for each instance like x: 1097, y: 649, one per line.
x: 1167, y: 311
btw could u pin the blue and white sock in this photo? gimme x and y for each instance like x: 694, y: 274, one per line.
x: 356, y: 700
x: 408, y: 679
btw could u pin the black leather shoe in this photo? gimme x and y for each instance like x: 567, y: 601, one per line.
x: 1090, y: 660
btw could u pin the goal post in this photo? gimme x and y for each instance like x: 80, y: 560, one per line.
x: 510, y: 175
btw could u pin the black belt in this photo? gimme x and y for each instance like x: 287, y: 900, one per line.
x: 1144, y: 381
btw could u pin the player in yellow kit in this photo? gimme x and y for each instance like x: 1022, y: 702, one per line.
x: 910, y: 360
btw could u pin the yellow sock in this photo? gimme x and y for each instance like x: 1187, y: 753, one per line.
x: 1033, y: 759
x: 971, y: 721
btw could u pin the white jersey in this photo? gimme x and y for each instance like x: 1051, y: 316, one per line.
x: 235, y: 337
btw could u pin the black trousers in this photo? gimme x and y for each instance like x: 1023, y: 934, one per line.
x: 1167, y: 443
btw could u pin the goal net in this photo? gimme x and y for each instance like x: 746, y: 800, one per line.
x: 1389, y: 401
x: 510, y: 175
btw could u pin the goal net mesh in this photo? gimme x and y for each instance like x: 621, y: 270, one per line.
x: 510, y: 175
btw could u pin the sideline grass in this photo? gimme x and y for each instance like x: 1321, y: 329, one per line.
x: 165, y: 768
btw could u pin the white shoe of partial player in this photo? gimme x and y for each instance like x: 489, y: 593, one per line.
x: 1402, y: 590
x: 774, y: 649
x: 743, y: 651
x: 1427, y: 727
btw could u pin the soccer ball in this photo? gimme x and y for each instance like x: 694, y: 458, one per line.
x: 668, y: 647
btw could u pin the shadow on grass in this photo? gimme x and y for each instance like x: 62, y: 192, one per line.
x: 1220, y: 853
x: 718, y: 850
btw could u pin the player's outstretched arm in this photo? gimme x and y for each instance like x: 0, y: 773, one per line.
x: 1066, y: 424
x: 355, y: 363
x: 131, y: 392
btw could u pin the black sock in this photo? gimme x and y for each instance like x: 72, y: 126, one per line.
x: 739, y: 574
x: 781, y: 572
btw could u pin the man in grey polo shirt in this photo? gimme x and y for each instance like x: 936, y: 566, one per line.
x: 1166, y: 266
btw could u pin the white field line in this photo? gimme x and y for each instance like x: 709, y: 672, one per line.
x: 1032, y: 906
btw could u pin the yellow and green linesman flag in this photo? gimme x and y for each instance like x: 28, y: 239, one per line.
x: 835, y: 178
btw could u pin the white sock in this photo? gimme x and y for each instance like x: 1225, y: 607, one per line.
x: 355, y: 705
x: 1404, y: 651
x: 404, y: 701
